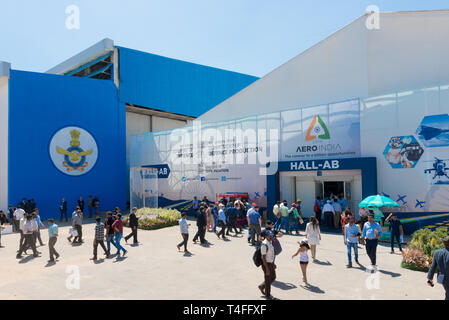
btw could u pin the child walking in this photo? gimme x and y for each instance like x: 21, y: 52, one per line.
x: 303, y: 258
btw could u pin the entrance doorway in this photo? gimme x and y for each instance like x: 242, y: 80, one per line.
x: 309, y: 185
x: 333, y: 187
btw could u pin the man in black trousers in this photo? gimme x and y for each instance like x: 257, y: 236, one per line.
x: 63, y: 210
x: 133, y: 224
x: 28, y: 229
x: 201, y: 223
x: 99, y: 238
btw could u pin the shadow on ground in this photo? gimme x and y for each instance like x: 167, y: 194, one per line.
x: 283, y: 285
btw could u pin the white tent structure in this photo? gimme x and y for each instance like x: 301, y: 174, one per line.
x: 353, y: 62
x: 4, y: 106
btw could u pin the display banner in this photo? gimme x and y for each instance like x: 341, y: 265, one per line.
x: 230, y: 156
x: 321, y: 132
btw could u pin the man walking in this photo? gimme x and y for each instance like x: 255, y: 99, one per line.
x: 118, y: 230
x: 284, y: 217
x: 109, y: 232
x: 440, y: 261
x: 81, y: 204
x: 184, y: 226
x: 18, y: 214
x: 28, y: 230
x: 232, y: 217
x: 337, y: 212
x: 99, y: 238
x: 396, y: 230
x: 329, y: 212
x: 22, y: 234
x: 370, y: 235
x: 77, y: 221
x: 255, y: 223
x: 221, y: 221
x: 52, y: 238
x: 39, y: 225
x: 201, y: 223
x: 133, y: 224
x: 268, y: 266
x: 63, y: 210
x: 351, y: 237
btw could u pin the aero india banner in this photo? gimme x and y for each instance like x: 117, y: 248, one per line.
x: 205, y: 159
x: 321, y: 132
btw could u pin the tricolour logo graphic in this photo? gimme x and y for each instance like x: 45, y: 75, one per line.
x: 73, y: 151
x: 317, y: 129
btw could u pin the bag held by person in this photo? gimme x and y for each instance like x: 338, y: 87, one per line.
x: 257, y: 256
x: 73, y: 232
x: 277, y: 246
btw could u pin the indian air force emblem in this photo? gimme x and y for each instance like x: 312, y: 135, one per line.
x: 79, y: 156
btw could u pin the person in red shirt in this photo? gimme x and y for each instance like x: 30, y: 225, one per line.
x: 118, y: 231
x: 345, y: 219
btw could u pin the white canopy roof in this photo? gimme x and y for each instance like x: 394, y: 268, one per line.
x: 409, y: 50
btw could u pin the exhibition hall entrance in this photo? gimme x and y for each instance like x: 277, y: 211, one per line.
x: 333, y: 188
x: 311, y: 184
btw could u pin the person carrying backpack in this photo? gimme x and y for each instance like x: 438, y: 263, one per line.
x: 267, y: 257
x: 297, y: 220
x: 276, y: 234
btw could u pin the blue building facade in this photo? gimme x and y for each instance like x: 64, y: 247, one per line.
x: 40, y: 105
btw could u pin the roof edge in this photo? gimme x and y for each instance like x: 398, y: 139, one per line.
x: 97, y: 50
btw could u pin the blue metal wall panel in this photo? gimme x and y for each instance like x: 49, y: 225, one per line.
x: 175, y: 86
x: 40, y: 105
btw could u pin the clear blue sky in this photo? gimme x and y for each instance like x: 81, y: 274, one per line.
x: 248, y: 36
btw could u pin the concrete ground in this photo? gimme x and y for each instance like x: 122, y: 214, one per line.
x: 224, y: 270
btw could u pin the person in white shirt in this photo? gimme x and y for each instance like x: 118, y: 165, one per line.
x: 277, y: 214
x: 28, y: 228
x: 329, y: 212
x: 313, y: 235
x: 337, y: 212
x: 18, y: 214
x: 268, y: 266
x: 22, y: 235
x: 184, y: 227
x: 303, y: 258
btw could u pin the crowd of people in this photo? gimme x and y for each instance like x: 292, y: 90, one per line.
x: 223, y: 218
x: 235, y: 215
x: 25, y: 219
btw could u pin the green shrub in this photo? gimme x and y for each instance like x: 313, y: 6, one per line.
x: 156, y: 218
x: 419, y: 254
x: 428, y: 241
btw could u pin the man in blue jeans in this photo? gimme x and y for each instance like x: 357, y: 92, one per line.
x: 109, y: 232
x: 370, y: 235
x: 351, y: 237
x: 118, y: 229
x: 285, y: 222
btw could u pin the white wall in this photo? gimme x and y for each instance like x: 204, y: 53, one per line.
x: 3, y: 142
x: 139, y: 123
x: 409, y: 50
x: 160, y: 123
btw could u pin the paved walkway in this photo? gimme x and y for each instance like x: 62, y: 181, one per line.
x: 156, y: 270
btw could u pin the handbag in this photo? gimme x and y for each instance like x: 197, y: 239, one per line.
x: 73, y: 232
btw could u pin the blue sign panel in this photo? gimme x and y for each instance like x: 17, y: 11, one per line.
x: 163, y: 170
